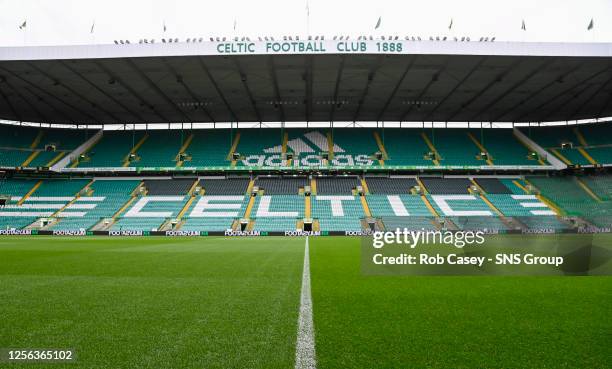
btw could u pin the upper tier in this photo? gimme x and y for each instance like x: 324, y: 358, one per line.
x: 319, y: 148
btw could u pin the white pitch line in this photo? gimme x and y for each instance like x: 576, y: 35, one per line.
x: 305, y: 347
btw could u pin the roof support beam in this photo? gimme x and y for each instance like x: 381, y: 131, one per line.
x: 482, y: 91
x: 456, y: 87
x: 556, y: 96
x: 243, y: 78
x: 156, y: 88
x: 54, y: 96
x: 73, y: 92
x: 179, y: 80
x: 131, y: 91
x: 97, y: 88
x: 28, y: 102
x: 536, y: 92
x: 337, y: 88
x: 396, y: 88
x: 537, y: 70
x: 272, y: 70
x: 364, y: 94
x: 308, y: 87
x: 8, y: 102
x: 216, y: 86
x: 592, y: 96
x: 433, y: 79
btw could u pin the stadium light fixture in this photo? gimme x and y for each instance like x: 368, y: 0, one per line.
x: 211, y: 39
x: 444, y: 39
x: 419, y: 38
x: 467, y: 39
x: 116, y: 43
x: 492, y: 39
x: 176, y: 40
x: 164, y: 40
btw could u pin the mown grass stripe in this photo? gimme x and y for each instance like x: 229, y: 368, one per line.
x: 305, y: 357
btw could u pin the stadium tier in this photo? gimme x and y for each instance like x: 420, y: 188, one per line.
x: 304, y: 148
x: 36, y: 147
x: 330, y: 204
x: 584, y: 145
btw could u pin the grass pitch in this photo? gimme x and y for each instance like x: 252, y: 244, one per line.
x: 454, y: 322
x: 233, y: 303
x: 153, y: 302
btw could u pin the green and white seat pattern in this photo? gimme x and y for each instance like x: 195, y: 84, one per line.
x: 397, y: 205
x: 277, y: 212
x: 214, y: 213
x: 337, y: 212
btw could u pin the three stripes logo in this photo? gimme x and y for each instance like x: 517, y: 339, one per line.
x: 306, y: 151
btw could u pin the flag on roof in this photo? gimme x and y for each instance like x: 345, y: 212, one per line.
x: 591, y: 25
x: 378, y: 23
x: 23, y: 25
x: 523, y: 26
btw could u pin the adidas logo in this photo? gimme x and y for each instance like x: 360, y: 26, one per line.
x: 306, y: 151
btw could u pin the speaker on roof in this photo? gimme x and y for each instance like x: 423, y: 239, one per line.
x: 378, y: 155
x: 236, y: 156
x: 567, y: 145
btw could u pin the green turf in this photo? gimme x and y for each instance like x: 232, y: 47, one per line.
x: 233, y: 303
x: 153, y: 302
x: 454, y: 322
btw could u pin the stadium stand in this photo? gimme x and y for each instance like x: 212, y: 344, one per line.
x: 339, y: 212
x: 492, y: 186
x: 114, y: 194
x: 355, y: 142
x: 278, y: 212
x: 224, y: 186
x: 336, y: 185
x: 385, y: 185
x: 259, y: 141
x: 159, y: 149
x: 112, y: 150
x: 220, y: 216
x: 397, y: 205
x: 74, y: 204
x: 35, y: 147
x: 446, y: 185
x: 504, y: 148
x: 281, y: 185
x: 405, y: 147
x: 479, y: 223
x: 416, y: 223
x: 168, y: 187
x: 455, y: 147
x: 209, y: 147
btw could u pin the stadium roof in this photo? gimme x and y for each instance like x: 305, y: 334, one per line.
x: 306, y: 81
